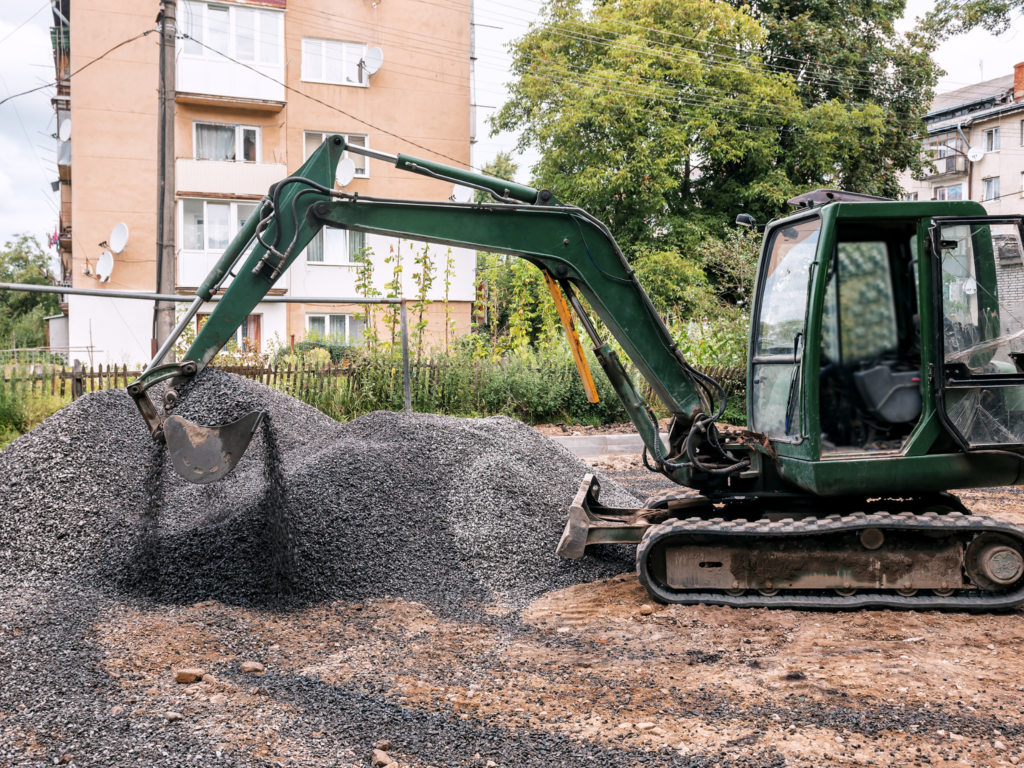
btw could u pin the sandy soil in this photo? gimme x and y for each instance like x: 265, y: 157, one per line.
x: 694, y: 685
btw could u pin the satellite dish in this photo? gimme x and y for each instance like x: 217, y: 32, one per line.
x: 105, y: 266
x: 372, y: 60
x: 461, y: 194
x: 64, y: 132
x: 974, y: 154
x: 346, y: 172
x: 119, y: 237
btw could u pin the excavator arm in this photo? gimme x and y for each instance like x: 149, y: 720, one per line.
x: 575, y: 251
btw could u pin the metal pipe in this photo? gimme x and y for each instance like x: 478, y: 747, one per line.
x: 584, y: 320
x: 172, y: 337
x: 145, y: 296
x: 405, y: 361
x: 372, y: 153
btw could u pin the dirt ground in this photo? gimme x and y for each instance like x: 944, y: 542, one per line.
x: 621, y: 428
x: 695, y: 686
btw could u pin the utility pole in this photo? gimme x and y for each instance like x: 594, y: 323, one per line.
x: 163, y: 311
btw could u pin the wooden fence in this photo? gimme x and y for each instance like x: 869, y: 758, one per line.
x: 75, y: 381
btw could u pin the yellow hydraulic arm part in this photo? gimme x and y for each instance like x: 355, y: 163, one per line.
x: 574, y: 340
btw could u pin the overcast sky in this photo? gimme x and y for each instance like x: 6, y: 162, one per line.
x: 27, y: 153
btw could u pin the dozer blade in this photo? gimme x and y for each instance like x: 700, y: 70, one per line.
x: 206, y: 454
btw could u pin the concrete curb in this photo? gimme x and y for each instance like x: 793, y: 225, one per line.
x: 591, y: 446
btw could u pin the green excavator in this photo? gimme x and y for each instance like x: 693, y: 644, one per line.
x: 886, y: 368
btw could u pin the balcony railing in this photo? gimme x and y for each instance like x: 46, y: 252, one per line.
x: 949, y: 165
x: 225, y: 177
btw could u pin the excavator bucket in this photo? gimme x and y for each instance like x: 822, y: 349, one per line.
x: 206, y: 454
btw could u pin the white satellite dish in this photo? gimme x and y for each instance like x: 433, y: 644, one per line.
x: 372, y: 60
x: 119, y: 237
x: 461, y: 194
x: 346, y: 172
x: 64, y: 132
x: 105, y: 266
x: 974, y: 154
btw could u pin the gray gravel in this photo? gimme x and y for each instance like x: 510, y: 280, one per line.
x: 455, y: 513
x: 450, y: 512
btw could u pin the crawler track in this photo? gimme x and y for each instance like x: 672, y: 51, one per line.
x: 964, y: 527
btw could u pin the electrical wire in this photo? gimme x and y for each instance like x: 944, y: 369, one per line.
x: 26, y: 21
x: 80, y: 69
x: 324, y: 103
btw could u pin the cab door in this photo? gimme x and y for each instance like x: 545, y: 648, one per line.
x: 779, y: 330
x: 979, y: 329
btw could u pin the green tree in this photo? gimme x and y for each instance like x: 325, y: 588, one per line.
x: 846, y: 56
x: 666, y: 117
x: 501, y: 167
x: 949, y: 18
x: 22, y: 260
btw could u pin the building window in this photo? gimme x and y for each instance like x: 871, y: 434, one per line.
x: 992, y: 140
x: 209, y: 225
x: 332, y: 246
x: 910, y: 196
x: 344, y: 329
x: 313, y: 139
x: 246, y: 336
x: 332, y: 61
x: 245, y: 34
x: 954, y: 192
x: 219, y: 141
x: 990, y: 188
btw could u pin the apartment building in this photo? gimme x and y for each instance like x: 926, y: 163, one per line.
x: 987, y: 118
x: 976, y: 142
x: 239, y: 129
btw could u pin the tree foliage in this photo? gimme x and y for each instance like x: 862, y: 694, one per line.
x: 949, y: 18
x: 849, y: 56
x: 22, y: 260
x: 663, y: 117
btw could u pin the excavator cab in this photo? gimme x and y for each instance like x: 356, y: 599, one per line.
x: 888, y: 330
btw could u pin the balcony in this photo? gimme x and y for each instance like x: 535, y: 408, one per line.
x: 216, y: 177
x: 218, y: 81
x: 948, y: 167
x: 194, y: 266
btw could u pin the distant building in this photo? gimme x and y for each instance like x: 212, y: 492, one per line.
x: 988, y: 116
x: 237, y: 131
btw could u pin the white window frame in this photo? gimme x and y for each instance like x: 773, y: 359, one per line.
x: 945, y: 192
x: 992, y: 138
x: 308, y: 76
x: 910, y: 197
x: 236, y: 335
x: 340, y: 252
x: 326, y: 317
x: 989, y: 185
x: 186, y: 17
x: 239, y: 136
x: 233, y: 225
x: 323, y: 136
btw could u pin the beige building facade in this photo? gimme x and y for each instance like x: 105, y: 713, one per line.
x: 985, y: 121
x: 259, y: 84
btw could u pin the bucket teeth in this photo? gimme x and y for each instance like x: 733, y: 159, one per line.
x: 206, y: 454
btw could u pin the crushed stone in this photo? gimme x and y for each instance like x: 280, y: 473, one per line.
x: 450, y: 512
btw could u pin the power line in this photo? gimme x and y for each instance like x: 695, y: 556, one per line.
x: 81, y: 68
x: 26, y: 21
x: 324, y: 103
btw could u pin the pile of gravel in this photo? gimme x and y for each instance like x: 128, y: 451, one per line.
x: 450, y: 512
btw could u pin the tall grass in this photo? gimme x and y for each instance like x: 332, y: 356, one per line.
x: 530, y: 385
x: 21, y: 409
